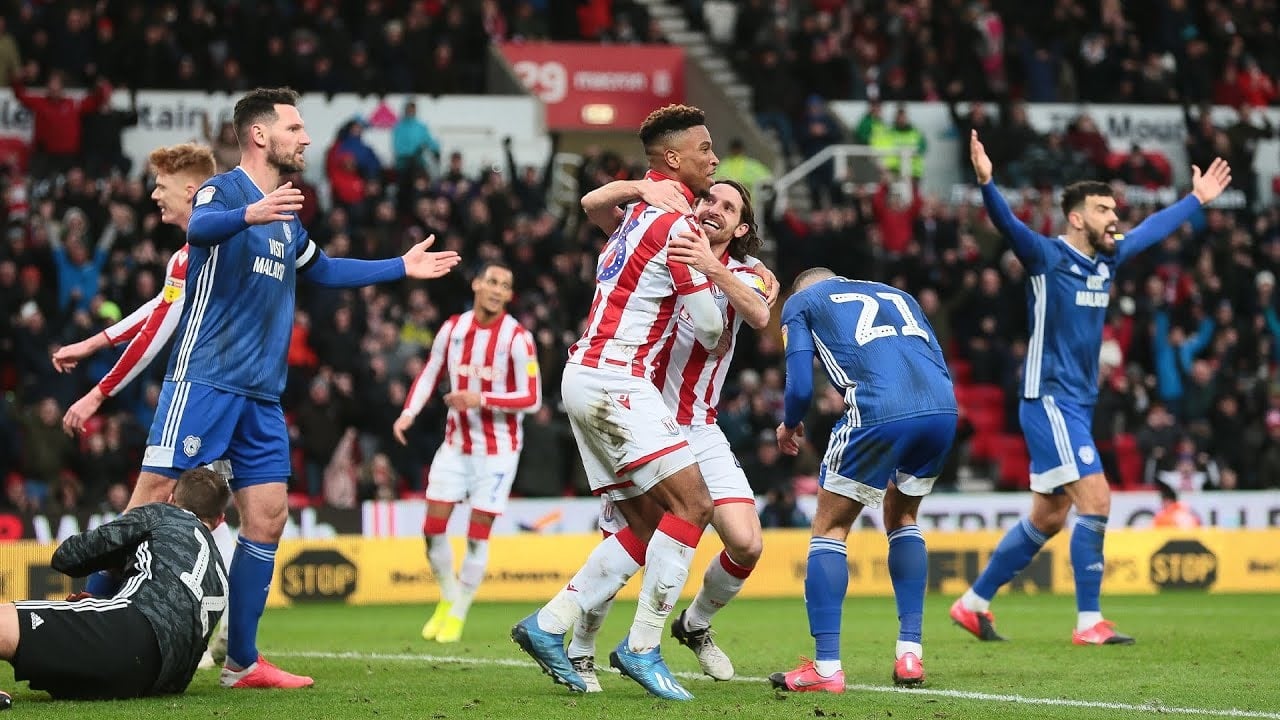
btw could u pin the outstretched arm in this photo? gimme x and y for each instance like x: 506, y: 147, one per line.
x: 316, y: 267
x: 1205, y: 188
x: 1027, y: 244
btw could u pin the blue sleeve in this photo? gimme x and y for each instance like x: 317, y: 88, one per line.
x: 347, y: 273
x: 1156, y: 228
x: 798, y: 343
x: 212, y: 221
x: 1027, y: 244
x: 1194, y: 344
x: 799, y: 389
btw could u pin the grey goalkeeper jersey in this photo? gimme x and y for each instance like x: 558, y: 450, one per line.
x: 172, y: 573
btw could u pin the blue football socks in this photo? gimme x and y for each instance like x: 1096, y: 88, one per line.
x: 825, y: 582
x: 1086, y: 560
x: 1015, y: 551
x: 908, y: 569
x: 250, y: 581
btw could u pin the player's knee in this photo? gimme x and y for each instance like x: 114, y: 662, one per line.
x: 1051, y: 522
x: 746, y: 549
x: 264, y: 524
x: 699, y: 509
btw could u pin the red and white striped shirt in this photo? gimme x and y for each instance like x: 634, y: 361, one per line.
x: 497, y: 360
x: 636, y: 291
x: 689, y: 376
x: 148, y: 328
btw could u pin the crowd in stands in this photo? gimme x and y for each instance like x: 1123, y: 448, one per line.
x: 1189, y: 394
x: 1105, y: 51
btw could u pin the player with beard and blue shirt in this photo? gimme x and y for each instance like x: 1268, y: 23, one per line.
x: 1068, y: 289
x: 221, y: 396
x: 879, y: 351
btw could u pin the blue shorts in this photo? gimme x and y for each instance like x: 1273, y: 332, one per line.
x: 196, y: 425
x: 1060, y: 442
x: 860, y: 461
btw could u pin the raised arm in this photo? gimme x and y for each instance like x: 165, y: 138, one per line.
x: 1205, y: 188
x: 1027, y: 244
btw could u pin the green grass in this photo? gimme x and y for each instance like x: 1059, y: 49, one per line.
x: 1202, y: 652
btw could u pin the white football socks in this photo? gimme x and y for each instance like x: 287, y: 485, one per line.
x: 470, y: 576
x: 440, y: 556
x: 588, y: 627
x: 719, y: 586
x: 973, y: 603
x: 666, y: 570
x: 827, y: 668
x: 607, y: 569
x: 1086, y: 620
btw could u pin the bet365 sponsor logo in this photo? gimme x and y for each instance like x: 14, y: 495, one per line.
x: 1184, y: 564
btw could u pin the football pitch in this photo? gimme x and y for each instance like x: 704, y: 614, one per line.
x: 1197, y: 656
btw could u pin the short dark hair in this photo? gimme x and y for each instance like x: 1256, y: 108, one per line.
x: 668, y: 120
x: 260, y: 104
x: 810, y: 277
x: 749, y: 244
x: 501, y: 265
x: 1075, y: 193
x: 203, y: 492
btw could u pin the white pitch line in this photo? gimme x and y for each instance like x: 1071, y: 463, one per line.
x: 957, y: 694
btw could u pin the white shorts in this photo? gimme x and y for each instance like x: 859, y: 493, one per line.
x: 720, y: 469
x: 484, y: 480
x: 627, y: 437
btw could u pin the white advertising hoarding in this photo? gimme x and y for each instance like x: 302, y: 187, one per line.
x: 1151, y: 127
x: 472, y: 125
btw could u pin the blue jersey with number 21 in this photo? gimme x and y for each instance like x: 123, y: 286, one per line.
x: 876, y: 346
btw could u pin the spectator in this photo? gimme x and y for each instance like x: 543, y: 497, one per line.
x: 104, y: 154
x: 902, y: 135
x: 56, y: 122
x: 780, y: 509
x: 47, y: 451
x: 411, y: 141
x: 738, y: 165
x: 10, y: 61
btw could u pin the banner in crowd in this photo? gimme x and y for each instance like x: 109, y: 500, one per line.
x: 1151, y: 127
x: 593, y: 87
x: 394, y: 570
x: 472, y: 125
